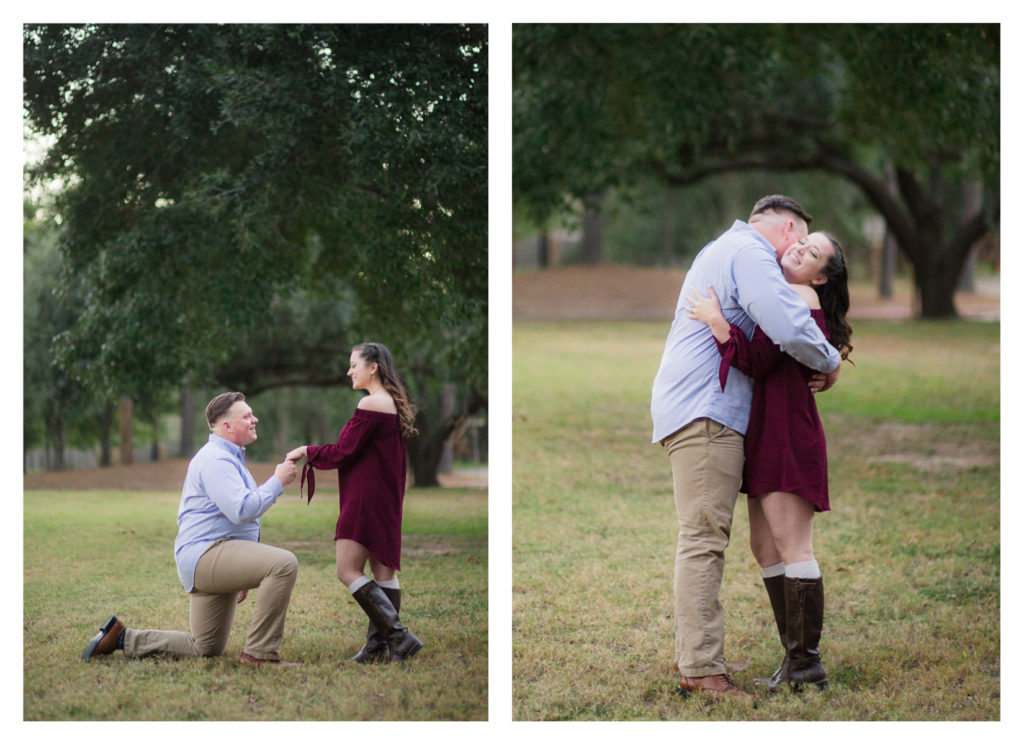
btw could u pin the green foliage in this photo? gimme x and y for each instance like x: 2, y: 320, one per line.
x: 908, y: 114
x: 58, y: 409
x: 591, y: 111
x: 923, y: 89
x: 218, y: 173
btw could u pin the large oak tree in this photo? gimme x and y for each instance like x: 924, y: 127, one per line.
x: 907, y: 113
x: 246, y: 202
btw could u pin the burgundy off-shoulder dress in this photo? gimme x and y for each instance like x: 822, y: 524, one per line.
x: 370, y: 456
x: 784, y: 448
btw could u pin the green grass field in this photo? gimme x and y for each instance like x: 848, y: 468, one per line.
x: 89, y: 554
x: 909, y: 552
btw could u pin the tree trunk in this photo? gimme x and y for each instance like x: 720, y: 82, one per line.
x: 936, y: 265
x: 592, y: 229
x: 966, y: 282
x: 887, y: 270
x: 283, y: 416
x: 444, y: 464
x: 935, y: 249
x: 435, y: 427
x: 668, y: 227
x: 188, y: 423
x: 154, y: 448
x: 544, y: 250
x: 55, y: 432
x: 106, y: 433
x: 973, y: 202
x: 124, y: 418
x: 425, y: 450
x: 935, y: 283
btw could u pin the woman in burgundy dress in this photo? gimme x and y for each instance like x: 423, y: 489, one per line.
x: 785, y: 472
x: 370, y: 457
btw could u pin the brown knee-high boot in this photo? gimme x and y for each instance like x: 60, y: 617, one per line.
x: 805, y: 612
x: 376, y: 647
x: 402, y: 643
x: 776, y: 587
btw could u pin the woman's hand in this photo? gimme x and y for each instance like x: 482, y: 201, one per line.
x: 296, y: 454
x: 708, y: 310
x: 704, y: 309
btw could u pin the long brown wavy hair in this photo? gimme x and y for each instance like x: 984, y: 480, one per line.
x: 834, y: 295
x: 372, y: 352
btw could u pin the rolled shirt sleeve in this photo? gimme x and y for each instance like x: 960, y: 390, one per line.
x: 767, y: 298
x: 240, y: 502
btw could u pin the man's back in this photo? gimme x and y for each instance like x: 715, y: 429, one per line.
x: 686, y: 386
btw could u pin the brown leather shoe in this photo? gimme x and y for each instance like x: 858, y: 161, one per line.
x: 104, y: 642
x: 244, y: 659
x: 714, y: 684
x: 732, y: 667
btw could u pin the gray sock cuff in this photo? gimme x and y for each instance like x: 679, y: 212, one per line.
x: 803, y: 570
x: 363, y: 580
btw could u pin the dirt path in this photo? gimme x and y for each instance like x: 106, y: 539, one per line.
x: 169, y: 475
x: 619, y: 292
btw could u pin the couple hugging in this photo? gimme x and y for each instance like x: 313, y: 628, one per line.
x: 760, y: 326
x: 218, y: 550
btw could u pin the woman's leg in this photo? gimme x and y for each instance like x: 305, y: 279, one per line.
x: 372, y: 598
x: 382, y: 572
x: 762, y: 545
x: 762, y: 542
x: 791, y: 521
x: 375, y: 650
x: 350, y: 560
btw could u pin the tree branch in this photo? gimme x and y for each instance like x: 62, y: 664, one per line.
x: 821, y: 157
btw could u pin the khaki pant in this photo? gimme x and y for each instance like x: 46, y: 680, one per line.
x: 226, y: 568
x: 707, y: 471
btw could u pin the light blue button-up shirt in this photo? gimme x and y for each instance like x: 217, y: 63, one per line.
x: 220, y: 499
x: 742, y: 267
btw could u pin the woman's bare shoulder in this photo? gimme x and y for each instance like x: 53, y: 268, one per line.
x: 808, y: 294
x: 381, y: 402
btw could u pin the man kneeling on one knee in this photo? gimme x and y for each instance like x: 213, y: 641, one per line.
x: 218, y: 551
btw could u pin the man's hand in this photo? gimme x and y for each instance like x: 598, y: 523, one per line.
x: 821, y: 382
x: 242, y: 595
x: 285, y: 472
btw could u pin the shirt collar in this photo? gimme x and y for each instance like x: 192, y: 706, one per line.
x: 226, y: 444
x: 746, y: 227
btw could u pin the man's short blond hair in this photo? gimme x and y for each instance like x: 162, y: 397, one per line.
x: 780, y: 203
x: 219, y: 406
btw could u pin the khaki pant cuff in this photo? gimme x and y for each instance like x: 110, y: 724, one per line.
x: 701, y: 672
